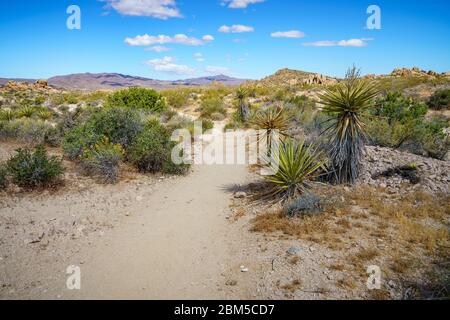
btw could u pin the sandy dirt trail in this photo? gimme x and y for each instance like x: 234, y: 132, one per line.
x: 176, y: 245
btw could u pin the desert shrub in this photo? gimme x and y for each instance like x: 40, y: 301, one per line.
x: 440, y: 100
x: 307, y: 204
x: 301, y: 109
x: 29, y: 130
x: 137, y: 98
x: 210, y: 106
x: 297, y: 165
x: 179, y: 122
x: 396, y: 107
x: 34, y: 169
x: 218, y: 116
x: 400, y: 122
x: 3, y: 176
x: 152, y: 150
x: 103, y: 160
x: 119, y: 125
x: 176, y: 98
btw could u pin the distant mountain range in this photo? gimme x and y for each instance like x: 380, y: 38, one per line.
x: 110, y: 81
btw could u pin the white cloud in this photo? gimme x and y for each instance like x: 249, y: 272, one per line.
x: 158, y: 49
x: 288, y: 34
x: 341, y: 43
x: 161, y: 9
x: 237, y: 28
x: 214, y: 70
x: 147, y: 40
x: 208, y: 38
x: 199, y: 57
x: 167, y: 65
x: 240, y: 4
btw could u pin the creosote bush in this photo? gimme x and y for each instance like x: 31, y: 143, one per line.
x: 152, y: 150
x: 119, y: 125
x: 137, y: 98
x: 32, y: 169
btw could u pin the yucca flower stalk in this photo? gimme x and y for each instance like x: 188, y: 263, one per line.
x: 346, y: 104
x: 297, y: 164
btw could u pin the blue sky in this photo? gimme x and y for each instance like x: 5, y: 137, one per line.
x: 324, y: 36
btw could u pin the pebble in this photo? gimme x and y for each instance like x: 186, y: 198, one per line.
x: 244, y: 269
x: 294, y: 251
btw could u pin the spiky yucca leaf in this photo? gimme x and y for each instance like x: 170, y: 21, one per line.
x: 7, y: 115
x: 346, y: 105
x: 297, y: 165
x: 274, y: 122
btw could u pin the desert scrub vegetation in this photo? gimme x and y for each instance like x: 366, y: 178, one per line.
x: 177, y: 98
x: 152, y: 150
x: 400, y: 122
x: 112, y: 135
x: 103, y: 160
x: 34, y: 131
x: 33, y: 169
x: 137, y: 98
x: 440, y: 100
x: 118, y: 125
x: 345, y: 104
x: 212, y: 106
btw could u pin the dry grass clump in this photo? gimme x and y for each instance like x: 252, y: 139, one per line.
x: 407, y: 234
x: 293, y: 286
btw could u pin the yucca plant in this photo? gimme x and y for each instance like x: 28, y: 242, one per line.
x: 7, y: 115
x: 271, y: 120
x: 244, y: 111
x: 45, y: 114
x: 297, y: 165
x: 346, y: 104
x: 26, y: 112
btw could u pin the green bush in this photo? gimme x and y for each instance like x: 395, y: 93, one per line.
x: 152, y: 150
x: 137, y: 98
x: 440, y: 100
x: 103, y: 160
x: 34, y: 169
x: 210, y: 106
x: 119, y: 125
x: 176, y: 98
x: 398, y: 121
x: 396, y: 107
x: 3, y: 177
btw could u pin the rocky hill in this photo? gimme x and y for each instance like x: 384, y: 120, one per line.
x: 289, y: 77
